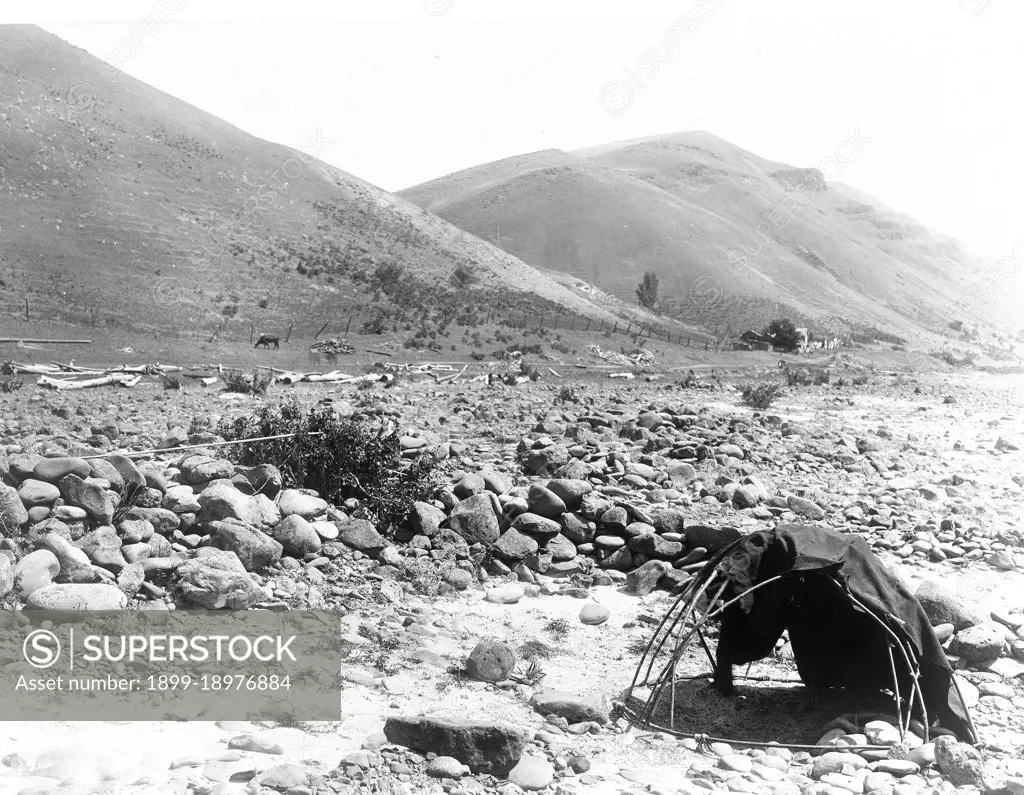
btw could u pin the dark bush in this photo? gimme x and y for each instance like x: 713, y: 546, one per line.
x: 346, y: 458
x: 760, y: 396
x: 255, y: 384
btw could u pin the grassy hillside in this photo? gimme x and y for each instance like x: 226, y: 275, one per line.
x: 124, y: 207
x: 734, y: 238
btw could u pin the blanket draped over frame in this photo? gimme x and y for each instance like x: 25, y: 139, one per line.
x: 836, y: 643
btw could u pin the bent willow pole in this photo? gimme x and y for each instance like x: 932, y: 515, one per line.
x: 684, y: 620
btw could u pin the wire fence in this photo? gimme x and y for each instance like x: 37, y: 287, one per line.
x: 379, y: 323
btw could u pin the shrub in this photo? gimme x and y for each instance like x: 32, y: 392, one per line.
x: 170, y: 381
x: 347, y: 458
x: 256, y: 383
x: 860, y: 380
x: 647, y: 290
x: 375, y: 326
x: 822, y: 377
x: 762, y: 395
x: 798, y: 377
x: 567, y: 394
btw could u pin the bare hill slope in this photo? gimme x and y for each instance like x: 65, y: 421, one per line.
x: 731, y: 236
x: 124, y: 206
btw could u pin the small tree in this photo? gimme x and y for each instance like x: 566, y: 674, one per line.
x: 647, y: 291
x: 783, y: 334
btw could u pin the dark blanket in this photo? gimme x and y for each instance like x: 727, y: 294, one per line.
x: 836, y: 643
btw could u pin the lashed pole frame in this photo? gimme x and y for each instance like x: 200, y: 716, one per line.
x: 685, y: 609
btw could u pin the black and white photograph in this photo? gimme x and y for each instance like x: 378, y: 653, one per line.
x: 457, y: 397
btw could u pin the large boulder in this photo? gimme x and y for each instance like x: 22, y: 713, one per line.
x: 36, y: 570
x: 571, y: 492
x: 265, y: 479
x: 644, y: 579
x: 515, y: 545
x: 88, y: 495
x: 960, y: 763
x: 53, y: 469
x: 126, y: 468
x: 474, y: 519
x: 293, y: 502
x: 220, y: 500
x: 37, y: 492
x: 216, y: 579
x: 982, y: 642
x: 361, y: 534
x: 75, y: 566
x: 944, y: 606
x: 484, y: 747
x: 545, y: 502
x: 425, y: 519
x: 253, y: 548
x: 491, y: 661
x: 197, y: 468
x: 12, y: 511
x: 711, y: 538
x: 296, y: 535
x: 573, y: 708
x: 73, y: 596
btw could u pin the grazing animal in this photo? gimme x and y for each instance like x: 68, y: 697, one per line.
x: 266, y: 340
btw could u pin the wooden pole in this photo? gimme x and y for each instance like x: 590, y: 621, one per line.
x: 348, y: 325
x: 588, y: 325
x: 288, y: 336
x: 26, y: 307
x: 321, y: 330
x: 252, y: 330
x: 43, y: 342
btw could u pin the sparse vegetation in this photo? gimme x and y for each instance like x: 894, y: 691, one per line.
x: 558, y: 628
x: 338, y: 457
x: 949, y: 357
x: 536, y: 650
x: 760, y: 396
x: 647, y: 291
x: 255, y: 383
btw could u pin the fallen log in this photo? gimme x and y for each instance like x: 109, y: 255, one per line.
x: 63, y: 384
x: 335, y: 376
x: 43, y: 342
x: 452, y: 378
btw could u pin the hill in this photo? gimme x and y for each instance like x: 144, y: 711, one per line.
x: 734, y: 238
x: 122, y: 206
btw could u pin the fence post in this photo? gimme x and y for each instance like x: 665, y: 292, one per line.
x: 588, y: 325
x: 26, y: 307
x: 321, y: 330
x: 251, y: 331
x: 616, y: 328
x: 348, y: 325
x: 288, y: 336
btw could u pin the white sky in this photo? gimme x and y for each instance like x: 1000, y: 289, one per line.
x: 401, y: 91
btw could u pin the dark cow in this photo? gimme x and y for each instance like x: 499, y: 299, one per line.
x: 266, y: 340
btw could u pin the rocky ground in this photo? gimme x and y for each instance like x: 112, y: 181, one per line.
x: 489, y: 641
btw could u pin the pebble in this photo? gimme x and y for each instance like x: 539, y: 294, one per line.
x: 594, y: 614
